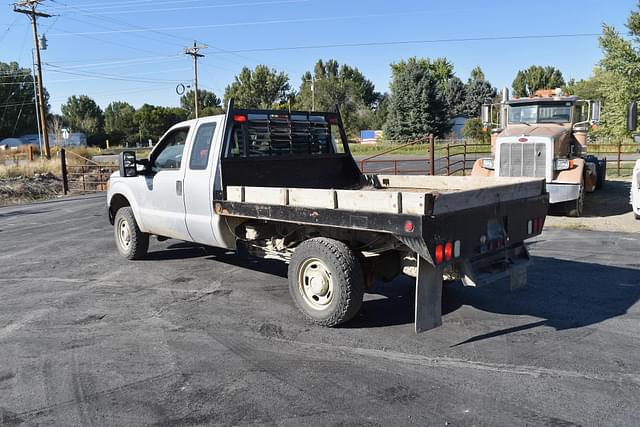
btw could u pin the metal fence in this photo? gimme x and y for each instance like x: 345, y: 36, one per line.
x: 82, y: 175
x: 442, y: 157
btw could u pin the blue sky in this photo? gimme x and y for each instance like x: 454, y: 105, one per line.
x: 97, y: 48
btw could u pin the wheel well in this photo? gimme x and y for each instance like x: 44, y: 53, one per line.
x: 117, y: 201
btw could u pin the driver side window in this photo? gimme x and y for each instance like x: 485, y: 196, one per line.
x: 170, y: 155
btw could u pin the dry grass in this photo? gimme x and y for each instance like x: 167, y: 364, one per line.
x: 14, y: 163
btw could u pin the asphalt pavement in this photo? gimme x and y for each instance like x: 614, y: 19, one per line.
x: 200, y: 336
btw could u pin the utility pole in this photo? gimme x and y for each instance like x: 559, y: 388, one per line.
x: 28, y: 7
x: 194, y: 51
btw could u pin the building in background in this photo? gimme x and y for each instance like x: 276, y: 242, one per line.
x: 370, y: 136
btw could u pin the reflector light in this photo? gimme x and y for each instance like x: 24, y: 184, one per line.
x: 239, y: 118
x: 408, y: 226
x: 523, y: 139
x: 448, y: 251
x: 333, y: 120
x: 456, y: 249
x: 439, y: 253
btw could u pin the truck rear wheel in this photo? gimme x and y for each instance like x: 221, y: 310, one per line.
x: 326, y: 281
x: 130, y: 241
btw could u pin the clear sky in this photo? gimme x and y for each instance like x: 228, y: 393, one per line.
x: 132, y: 50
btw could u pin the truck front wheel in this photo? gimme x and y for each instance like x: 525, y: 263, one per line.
x: 574, y: 208
x: 326, y: 281
x: 130, y: 241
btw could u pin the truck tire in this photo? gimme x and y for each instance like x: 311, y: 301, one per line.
x: 602, y: 173
x: 574, y: 208
x: 326, y: 281
x: 130, y: 241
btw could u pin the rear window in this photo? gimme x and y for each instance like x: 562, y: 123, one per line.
x: 263, y: 135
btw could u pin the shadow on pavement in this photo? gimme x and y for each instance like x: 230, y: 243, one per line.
x: 611, y: 200
x: 564, y: 294
x: 23, y: 212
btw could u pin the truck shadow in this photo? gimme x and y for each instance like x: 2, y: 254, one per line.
x: 563, y: 294
x: 611, y: 200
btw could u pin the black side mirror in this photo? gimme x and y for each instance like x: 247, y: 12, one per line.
x: 144, y: 166
x: 127, y: 163
x: 632, y: 116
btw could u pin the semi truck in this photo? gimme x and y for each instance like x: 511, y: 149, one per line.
x: 545, y: 136
x: 283, y: 185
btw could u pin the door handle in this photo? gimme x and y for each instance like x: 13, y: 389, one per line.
x: 178, y: 188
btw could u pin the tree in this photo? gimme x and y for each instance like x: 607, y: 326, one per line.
x: 208, y: 103
x: 417, y: 106
x: 120, y: 122
x: 473, y: 129
x: 456, y: 94
x: 82, y: 114
x: 618, y: 74
x: 260, y: 88
x: 536, y: 77
x: 17, y: 105
x: 477, y: 92
x: 333, y: 84
x: 153, y: 121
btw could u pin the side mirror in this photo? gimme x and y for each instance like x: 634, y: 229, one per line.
x: 144, y: 166
x: 595, y: 112
x: 127, y: 163
x: 486, y: 117
x: 632, y: 116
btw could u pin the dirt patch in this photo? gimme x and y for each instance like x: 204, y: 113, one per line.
x: 29, y: 188
x: 607, y: 209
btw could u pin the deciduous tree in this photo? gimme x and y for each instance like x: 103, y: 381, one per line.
x: 262, y: 87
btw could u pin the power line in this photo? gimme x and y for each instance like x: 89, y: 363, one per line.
x: 401, y: 42
x: 109, y: 76
x: 171, y: 9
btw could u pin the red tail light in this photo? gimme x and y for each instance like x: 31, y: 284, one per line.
x: 448, y: 251
x: 439, y: 253
x: 239, y: 118
x: 408, y: 226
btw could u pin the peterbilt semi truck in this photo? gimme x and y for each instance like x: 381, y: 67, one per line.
x: 545, y: 136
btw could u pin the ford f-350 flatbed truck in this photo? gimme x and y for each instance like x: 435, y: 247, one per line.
x: 284, y: 185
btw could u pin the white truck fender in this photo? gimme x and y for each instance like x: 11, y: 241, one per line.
x: 119, y: 188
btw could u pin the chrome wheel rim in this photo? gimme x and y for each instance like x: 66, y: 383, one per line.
x: 315, y: 284
x: 124, y: 234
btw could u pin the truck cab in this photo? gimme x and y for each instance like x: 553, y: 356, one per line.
x: 546, y: 137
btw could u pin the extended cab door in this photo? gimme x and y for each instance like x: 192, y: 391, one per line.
x: 163, y: 200
x: 198, y: 182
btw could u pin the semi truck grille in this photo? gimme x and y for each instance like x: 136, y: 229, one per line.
x: 523, y: 159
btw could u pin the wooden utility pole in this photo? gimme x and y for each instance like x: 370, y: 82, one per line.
x: 30, y: 10
x: 194, y: 51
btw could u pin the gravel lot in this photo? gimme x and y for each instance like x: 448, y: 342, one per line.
x: 196, y: 336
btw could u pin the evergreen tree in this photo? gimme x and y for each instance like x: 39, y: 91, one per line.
x: 417, y: 106
x: 208, y: 103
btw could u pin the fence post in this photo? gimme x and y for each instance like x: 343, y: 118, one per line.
x: 395, y: 167
x: 448, y: 160
x: 84, y: 187
x: 619, y: 155
x: 432, y: 155
x: 63, y: 166
x: 30, y: 153
x: 464, y: 158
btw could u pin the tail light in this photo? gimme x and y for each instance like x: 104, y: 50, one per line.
x: 446, y: 251
x: 239, y: 118
x: 535, y: 225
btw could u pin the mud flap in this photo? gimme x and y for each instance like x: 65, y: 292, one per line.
x: 428, y: 309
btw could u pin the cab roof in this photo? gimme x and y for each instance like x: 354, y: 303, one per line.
x: 541, y: 99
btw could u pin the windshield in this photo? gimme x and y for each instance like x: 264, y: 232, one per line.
x: 540, y: 113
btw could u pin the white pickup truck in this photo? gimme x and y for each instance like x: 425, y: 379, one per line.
x: 284, y: 185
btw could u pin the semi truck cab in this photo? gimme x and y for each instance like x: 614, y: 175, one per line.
x: 545, y: 137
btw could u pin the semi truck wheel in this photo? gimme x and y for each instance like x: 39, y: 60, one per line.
x: 130, y: 241
x: 574, y: 208
x: 326, y: 281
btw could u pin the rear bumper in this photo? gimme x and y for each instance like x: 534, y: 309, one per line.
x: 563, y: 191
